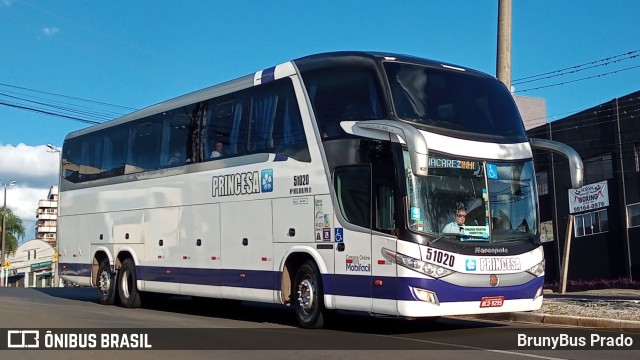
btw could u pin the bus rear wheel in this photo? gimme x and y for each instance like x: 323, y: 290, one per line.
x: 308, y: 299
x: 106, y: 284
x: 127, y: 288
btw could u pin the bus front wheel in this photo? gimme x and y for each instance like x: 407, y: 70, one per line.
x: 127, y: 288
x: 308, y: 299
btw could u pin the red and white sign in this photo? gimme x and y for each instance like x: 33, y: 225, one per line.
x: 491, y: 301
x: 589, y: 197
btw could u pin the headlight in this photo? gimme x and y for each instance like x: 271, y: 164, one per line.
x: 537, y: 269
x: 414, y: 264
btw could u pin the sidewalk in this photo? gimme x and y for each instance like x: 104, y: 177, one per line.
x: 599, y: 294
x: 617, y: 309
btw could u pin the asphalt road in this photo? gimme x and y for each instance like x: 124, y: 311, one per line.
x: 186, y: 328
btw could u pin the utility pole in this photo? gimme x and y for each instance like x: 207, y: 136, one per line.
x: 56, y: 254
x: 4, y: 224
x: 503, y: 63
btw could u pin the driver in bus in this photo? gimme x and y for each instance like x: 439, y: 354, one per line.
x: 454, y: 227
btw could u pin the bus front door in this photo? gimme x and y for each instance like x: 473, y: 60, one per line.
x: 352, y: 283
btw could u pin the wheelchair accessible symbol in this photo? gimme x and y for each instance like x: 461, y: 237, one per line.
x: 339, y: 235
x: 492, y: 171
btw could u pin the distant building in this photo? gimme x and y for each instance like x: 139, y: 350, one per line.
x: 47, y: 217
x: 31, y: 265
x: 532, y: 110
x: 606, y: 230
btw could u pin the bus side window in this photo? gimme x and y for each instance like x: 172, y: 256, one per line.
x: 114, y: 151
x: 71, y: 158
x: 176, y: 133
x: 225, y: 128
x: 276, y: 123
x: 91, y: 162
x: 144, y: 146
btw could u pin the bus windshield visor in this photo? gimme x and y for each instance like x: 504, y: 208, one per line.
x: 473, y: 201
x: 453, y: 99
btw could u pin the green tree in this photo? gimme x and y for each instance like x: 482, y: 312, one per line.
x: 15, y: 231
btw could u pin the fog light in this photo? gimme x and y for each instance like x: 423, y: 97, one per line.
x: 425, y: 295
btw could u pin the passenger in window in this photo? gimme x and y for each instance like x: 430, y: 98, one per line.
x: 218, y: 151
x: 454, y: 227
x: 176, y: 159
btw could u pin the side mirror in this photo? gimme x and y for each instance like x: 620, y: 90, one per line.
x: 576, y: 168
x: 381, y: 129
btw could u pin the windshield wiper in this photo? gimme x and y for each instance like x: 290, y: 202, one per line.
x: 437, y: 238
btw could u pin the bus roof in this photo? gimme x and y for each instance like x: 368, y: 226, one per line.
x: 305, y: 63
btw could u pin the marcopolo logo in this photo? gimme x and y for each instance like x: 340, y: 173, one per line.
x: 250, y: 182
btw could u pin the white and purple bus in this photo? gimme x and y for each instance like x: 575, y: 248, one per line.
x: 330, y: 182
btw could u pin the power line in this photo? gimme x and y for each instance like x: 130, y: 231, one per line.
x: 68, y: 97
x: 22, y: 107
x: 606, y: 61
x: 622, y: 105
x: 581, y: 79
x: 94, y: 115
x: 106, y: 113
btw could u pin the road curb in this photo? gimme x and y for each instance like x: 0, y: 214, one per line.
x: 577, y: 321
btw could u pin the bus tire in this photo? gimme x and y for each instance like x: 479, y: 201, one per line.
x: 106, y: 283
x: 127, y: 288
x: 308, y: 298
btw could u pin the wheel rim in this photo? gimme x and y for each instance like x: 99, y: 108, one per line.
x: 306, y: 295
x: 105, y: 282
x: 125, y: 284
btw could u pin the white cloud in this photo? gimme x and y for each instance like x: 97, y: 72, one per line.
x: 50, y: 31
x: 35, y: 170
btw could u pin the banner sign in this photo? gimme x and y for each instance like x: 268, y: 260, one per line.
x: 141, y: 339
x: 589, y: 197
x: 41, y: 265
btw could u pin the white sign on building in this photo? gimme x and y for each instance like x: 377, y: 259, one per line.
x: 589, y: 197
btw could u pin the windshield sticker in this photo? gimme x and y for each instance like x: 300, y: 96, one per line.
x: 451, y: 164
x: 475, y: 231
x: 415, y: 213
x: 492, y: 171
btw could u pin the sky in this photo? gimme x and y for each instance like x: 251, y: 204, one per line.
x: 92, y: 61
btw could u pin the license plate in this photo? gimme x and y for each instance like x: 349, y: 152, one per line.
x: 491, y: 301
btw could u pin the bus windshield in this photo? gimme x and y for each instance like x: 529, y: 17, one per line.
x: 473, y: 201
x: 452, y: 99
